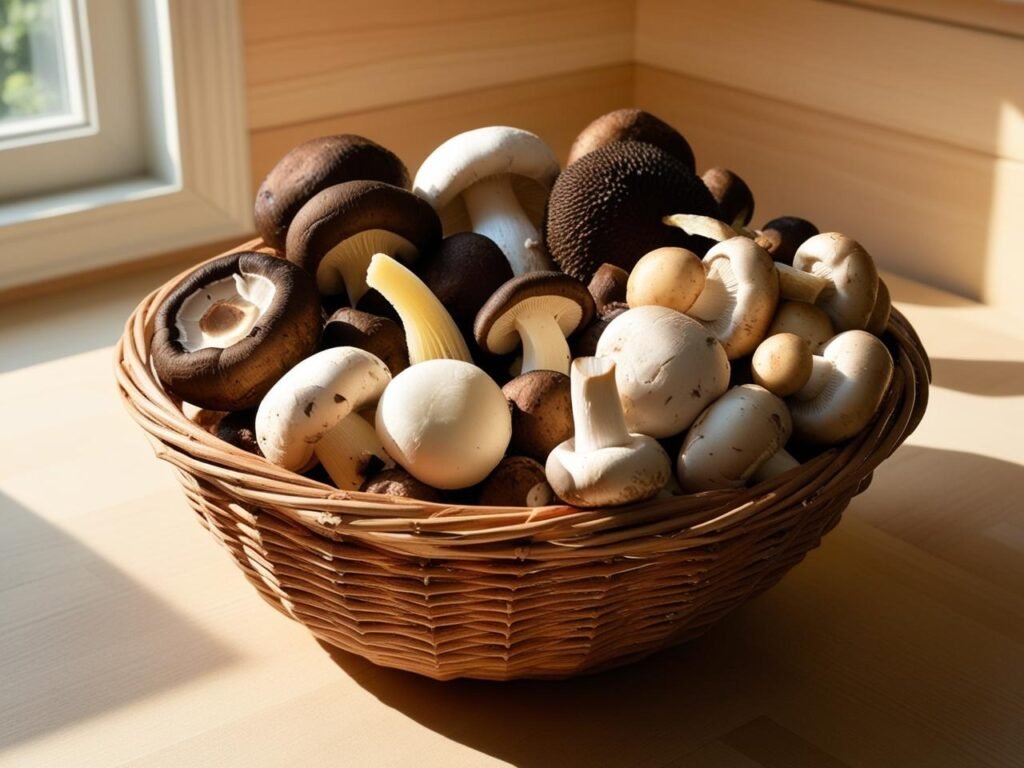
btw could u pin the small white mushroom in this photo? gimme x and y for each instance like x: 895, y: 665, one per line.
x: 851, y: 280
x: 313, y: 409
x: 604, y: 464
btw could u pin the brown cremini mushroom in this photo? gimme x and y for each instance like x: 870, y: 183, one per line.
x: 397, y: 482
x: 233, y: 327
x: 608, y: 286
x: 541, y: 412
x: 734, y: 198
x: 313, y: 166
x: 632, y: 125
x: 379, y: 336
x: 517, y: 481
x: 782, y: 236
x: 584, y: 343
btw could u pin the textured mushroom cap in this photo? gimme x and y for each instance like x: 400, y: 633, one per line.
x: 734, y: 198
x: 312, y: 398
x: 728, y: 443
x: 541, y: 412
x: 782, y: 236
x: 740, y: 318
x: 239, y: 429
x: 568, y: 300
x: 610, y: 476
x: 782, y: 364
x: 632, y: 125
x: 345, y: 210
x: 312, y: 167
x: 398, y: 482
x: 862, y: 369
x: 379, y: 336
x: 808, y: 321
x: 463, y: 273
x: 446, y: 422
x: 479, y: 154
x: 668, y: 368
x: 850, y: 300
x: 668, y: 277
x: 517, y: 481
x: 608, y: 285
x: 234, y: 377
x: 608, y: 207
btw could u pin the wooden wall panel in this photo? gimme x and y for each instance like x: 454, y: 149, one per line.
x: 308, y: 59
x: 929, y: 210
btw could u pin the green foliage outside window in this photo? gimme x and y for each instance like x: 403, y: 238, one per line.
x: 29, y: 50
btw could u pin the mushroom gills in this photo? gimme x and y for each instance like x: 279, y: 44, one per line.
x: 542, y: 332
x: 343, y: 268
x: 223, y: 312
x: 496, y: 212
x: 351, y: 451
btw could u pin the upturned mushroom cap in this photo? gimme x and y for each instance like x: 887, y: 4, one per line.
x: 608, y: 286
x: 669, y: 368
x: 463, y: 273
x: 734, y: 198
x: 233, y: 327
x: 538, y: 310
x: 632, y: 125
x: 732, y: 439
x: 379, y: 336
x: 608, y: 207
x: 782, y: 236
x: 312, y: 398
x: 741, y: 293
x: 512, y: 170
x: 849, y: 380
x: 850, y: 298
x: 517, y: 481
x: 541, y: 412
x: 782, y: 364
x: 334, y: 235
x: 808, y: 321
x: 668, y: 277
x: 446, y: 422
x: 313, y: 166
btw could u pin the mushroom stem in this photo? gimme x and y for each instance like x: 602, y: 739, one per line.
x: 797, y: 285
x: 496, y: 213
x: 343, y: 268
x: 779, y: 462
x: 351, y: 451
x: 544, y: 344
x: 430, y: 332
x: 822, y: 370
x: 596, y: 409
x: 713, y: 301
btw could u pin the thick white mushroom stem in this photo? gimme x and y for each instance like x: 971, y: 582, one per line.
x: 797, y: 285
x: 496, y: 213
x: 350, y: 451
x: 544, y: 344
x: 779, y: 462
x: 430, y: 332
x: 596, y: 409
x: 822, y: 371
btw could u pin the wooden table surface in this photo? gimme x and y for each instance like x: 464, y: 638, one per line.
x: 128, y: 637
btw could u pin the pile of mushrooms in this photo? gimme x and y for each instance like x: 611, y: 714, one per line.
x: 498, y: 330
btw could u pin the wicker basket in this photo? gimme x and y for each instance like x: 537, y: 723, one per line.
x: 499, y: 593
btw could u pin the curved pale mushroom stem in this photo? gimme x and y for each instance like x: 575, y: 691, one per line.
x: 714, y: 301
x: 822, y: 370
x: 703, y: 226
x: 544, y: 344
x: 430, y: 332
x: 351, y: 451
x: 797, y: 285
x: 779, y: 462
x: 496, y: 213
x: 596, y: 409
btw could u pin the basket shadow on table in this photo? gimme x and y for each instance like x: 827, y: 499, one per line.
x: 670, y: 704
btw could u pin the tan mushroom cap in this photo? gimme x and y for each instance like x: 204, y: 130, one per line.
x: 850, y: 297
x: 541, y: 412
x: 808, y: 321
x: 517, y: 481
x: 782, y: 364
x: 669, y: 277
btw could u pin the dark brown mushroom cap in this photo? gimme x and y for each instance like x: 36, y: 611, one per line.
x: 608, y: 207
x: 313, y: 166
x: 632, y: 125
x: 463, y: 273
x: 398, y: 482
x: 541, y: 405
x: 239, y: 429
x: 782, y: 236
x: 734, y: 198
x: 345, y: 210
x: 569, y: 301
x: 517, y: 481
x: 584, y: 344
x: 608, y: 285
x: 379, y: 336
x: 236, y: 377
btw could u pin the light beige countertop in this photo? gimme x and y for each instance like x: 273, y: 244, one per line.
x: 128, y: 637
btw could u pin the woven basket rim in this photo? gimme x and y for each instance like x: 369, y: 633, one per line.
x: 552, y: 534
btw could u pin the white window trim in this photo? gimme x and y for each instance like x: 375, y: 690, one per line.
x: 210, y: 199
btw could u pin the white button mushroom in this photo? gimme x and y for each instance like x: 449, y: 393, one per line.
x: 313, y: 409
x: 446, y: 422
x: 668, y: 368
x: 604, y: 464
x: 848, y: 274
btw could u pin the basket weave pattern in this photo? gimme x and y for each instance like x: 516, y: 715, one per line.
x: 498, y: 593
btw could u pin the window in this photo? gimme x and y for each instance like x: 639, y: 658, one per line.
x: 122, y: 132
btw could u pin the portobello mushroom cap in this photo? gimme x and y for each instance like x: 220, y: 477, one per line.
x: 313, y: 166
x: 608, y: 207
x: 233, y: 327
